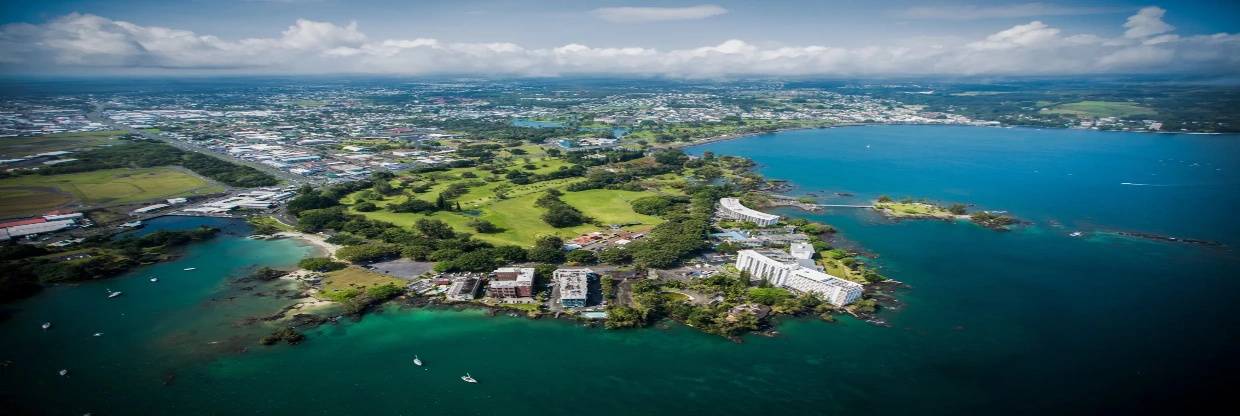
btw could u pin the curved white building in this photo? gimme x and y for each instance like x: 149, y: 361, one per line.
x: 784, y: 271
x: 732, y: 208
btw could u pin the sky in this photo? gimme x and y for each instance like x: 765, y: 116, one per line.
x: 677, y: 39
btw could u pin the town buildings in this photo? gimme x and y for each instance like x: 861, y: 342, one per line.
x: 51, y: 222
x: 786, y: 271
x: 511, y: 282
x: 574, y: 286
x: 731, y: 208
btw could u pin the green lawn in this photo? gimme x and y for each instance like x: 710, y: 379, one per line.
x: 913, y: 209
x: 25, y: 146
x: 518, y: 217
x: 357, y: 278
x: 1099, y: 109
x: 37, y: 193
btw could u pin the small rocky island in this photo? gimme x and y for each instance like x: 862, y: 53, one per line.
x: 914, y: 209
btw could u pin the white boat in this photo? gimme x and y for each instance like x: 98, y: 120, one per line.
x: 112, y: 294
x: 64, y: 372
x: 98, y: 334
x: 154, y: 279
x: 47, y: 325
x: 1075, y: 234
x: 189, y: 268
x: 417, y: 361
x: 468, y: 378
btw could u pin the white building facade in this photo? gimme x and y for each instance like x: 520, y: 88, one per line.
x: 785, y: 271
x: 732, y: 208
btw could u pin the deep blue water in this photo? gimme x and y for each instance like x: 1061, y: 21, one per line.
x: 1052, y: 322
x: 1024, y: 322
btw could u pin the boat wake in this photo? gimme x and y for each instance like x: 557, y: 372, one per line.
x: 1140, y: 184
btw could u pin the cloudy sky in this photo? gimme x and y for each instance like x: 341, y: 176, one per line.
x: 712, y: 39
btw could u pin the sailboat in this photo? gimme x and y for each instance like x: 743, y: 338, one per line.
x: 417, y: 361
x: 468, y: 378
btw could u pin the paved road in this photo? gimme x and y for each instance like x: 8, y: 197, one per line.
x: 97, y: 116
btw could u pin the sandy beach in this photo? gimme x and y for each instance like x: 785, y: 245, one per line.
x: 323, y: 247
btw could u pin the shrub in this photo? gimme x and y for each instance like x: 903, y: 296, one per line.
x: 368, y: 252
x: 320, y: 264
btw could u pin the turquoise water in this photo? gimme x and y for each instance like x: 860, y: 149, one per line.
x: 1029, y: 321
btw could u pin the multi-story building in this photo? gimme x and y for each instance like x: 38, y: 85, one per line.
x: 801, y: 250
x: 784, y: 270
x: 731, y: 208
x: 511, y: 282
x: 574, y: 285
x: 463, y: 289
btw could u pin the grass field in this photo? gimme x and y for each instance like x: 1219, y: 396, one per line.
x: 913, y: 209
x: 32, y: 194
x: 357, y: 278
x: 516, y: 214
x: 1099, y: 109
x: 25, y: 146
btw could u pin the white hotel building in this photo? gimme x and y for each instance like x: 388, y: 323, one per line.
x: 732, y: 208
x: 785, y: 271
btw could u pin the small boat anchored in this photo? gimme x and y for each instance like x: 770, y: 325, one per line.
x: 112, y: 294
x: 417, y: 361
x: 190, y: 269
x: 1076, y: 234
x: 154, y: 279
x: 46, y: 325
x: 63, y: 372
x: 98, y: 334
x: 468, y: 378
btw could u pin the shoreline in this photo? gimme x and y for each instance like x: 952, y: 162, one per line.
x: 320, y: 244
x: 735, y: 136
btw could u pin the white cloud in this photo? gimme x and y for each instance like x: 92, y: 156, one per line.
x: 87, y: 44
x: 1007, y: 11
x: 658, y: 14
x: 1147, y: 22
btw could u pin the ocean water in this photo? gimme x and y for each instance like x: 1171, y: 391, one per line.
x: 1022, y: 322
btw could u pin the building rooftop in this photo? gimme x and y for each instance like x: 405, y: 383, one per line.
x: 734, y: 205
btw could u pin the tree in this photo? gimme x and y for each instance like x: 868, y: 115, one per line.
x: 382, y: 186
x: 412, y: 204
x: 320, y: 264
x: 510, y: 254
x: 366, y: 206
x: 674, y: 157
x: 957, y: 209
x: 581, y: 257
x: 652, y: 205
x: 434, y: 229
x: 309, y: 201
x: 369, y: 252
x: 548, y: 249
x: 615, y: 255
x: 884, y: 199
x: 768, y: 295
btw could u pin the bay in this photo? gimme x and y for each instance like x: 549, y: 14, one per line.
x: 1028, y: 321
